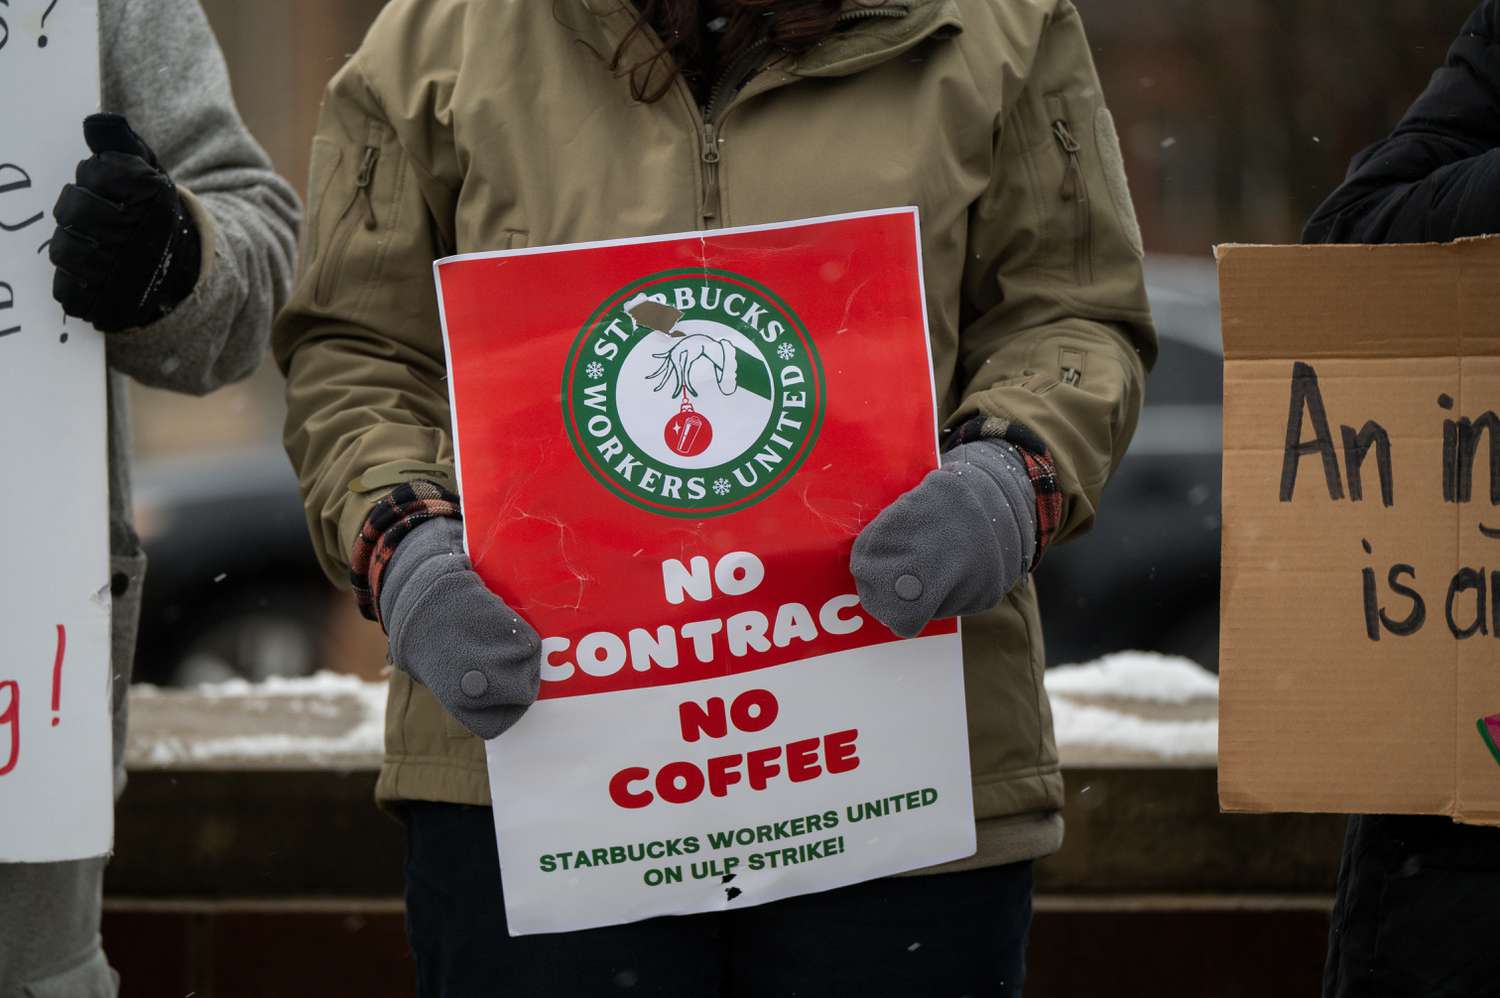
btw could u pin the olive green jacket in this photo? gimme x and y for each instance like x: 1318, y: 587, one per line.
x: 472, y: 125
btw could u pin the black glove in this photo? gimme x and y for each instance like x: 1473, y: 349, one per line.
x: 126, y: 250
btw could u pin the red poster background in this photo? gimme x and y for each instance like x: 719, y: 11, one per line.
x: 573, y: 557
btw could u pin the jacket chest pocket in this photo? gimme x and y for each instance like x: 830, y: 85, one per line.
x: 360, y: 179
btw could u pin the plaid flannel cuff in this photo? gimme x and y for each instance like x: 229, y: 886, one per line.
x: 391, y: 519
x: 1039, y: 468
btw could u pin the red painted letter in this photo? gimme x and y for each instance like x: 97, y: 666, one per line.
x: 838, y: 751
x: 692, y: 782
x: 620, y: 792
x: 754, y: 710
x: 802, y: 760
x: 723, y: 773
x: 708, y: 719
x: 11, y: 717
x: 761, y: 765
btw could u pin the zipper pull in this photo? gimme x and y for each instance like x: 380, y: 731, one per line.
x: 1070, y: 364
x: 710, y: 143
x: 366, y: 180
x: 1071, y: 148
x: 710, y: 154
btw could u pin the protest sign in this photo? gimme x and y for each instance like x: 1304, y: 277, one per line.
x: 1361, y: 631
x: 666, y: 448
x: 56, y: 795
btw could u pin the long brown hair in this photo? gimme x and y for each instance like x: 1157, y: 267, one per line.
x: 789, y: 26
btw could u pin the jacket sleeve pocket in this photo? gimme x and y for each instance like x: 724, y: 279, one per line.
x: 1068, y: 204
x: 1075, y: 172
x: 326, y: 157
x: 360, y: 342
x: 1060, y: 337
x: 352, y: 208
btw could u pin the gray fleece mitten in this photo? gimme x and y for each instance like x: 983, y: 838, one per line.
x: 955, y: 544
x: 454, y: 636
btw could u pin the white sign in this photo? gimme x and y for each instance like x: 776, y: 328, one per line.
x: 721, y: 724
x: 56, y: 796
x: 764, y: 811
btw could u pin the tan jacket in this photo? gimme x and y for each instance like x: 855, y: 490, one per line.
x: 471, y: 125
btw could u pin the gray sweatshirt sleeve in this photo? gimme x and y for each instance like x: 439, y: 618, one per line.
x: 161, y: 68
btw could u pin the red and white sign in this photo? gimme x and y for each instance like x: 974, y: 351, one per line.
x: 666, y: 449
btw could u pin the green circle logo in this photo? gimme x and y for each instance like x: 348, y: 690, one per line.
x: 693, y: 393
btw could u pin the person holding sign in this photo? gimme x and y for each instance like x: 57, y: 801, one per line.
x: 463, y: 126
x: 176, y: 242
x: 1435, y: 178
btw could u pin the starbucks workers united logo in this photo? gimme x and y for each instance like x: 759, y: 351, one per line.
x: 693, y: 393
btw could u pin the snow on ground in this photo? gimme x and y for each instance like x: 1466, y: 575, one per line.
x: 320, y: 685
x: 1099, y: 730
x: 1136, y: 703
x: 1136, y: 675
x: 1134, y: 706
x: 326, y: 717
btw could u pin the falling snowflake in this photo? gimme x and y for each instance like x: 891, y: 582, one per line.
x: 595, y: 370
x: 721, y: 487
x: 786, y: 351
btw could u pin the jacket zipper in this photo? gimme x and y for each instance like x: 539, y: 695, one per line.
x: 712, y: 202
x: 727, y: 85
x: 869, y: 12
x: 363, y: 183
x: 344, y: 230
x: 1074, y: 190
x: 724, y: 90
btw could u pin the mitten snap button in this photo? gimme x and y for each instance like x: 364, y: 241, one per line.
x: 474, y: 684
x: 909, y: 588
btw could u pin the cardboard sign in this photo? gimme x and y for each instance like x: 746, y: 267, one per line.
x: 666, y: 449
x: 56, y: 787
x: 1361, y: 626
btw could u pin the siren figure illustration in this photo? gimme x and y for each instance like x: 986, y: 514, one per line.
x: 688, y: 432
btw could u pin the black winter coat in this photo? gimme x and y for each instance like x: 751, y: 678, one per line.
x: 1437, y: 176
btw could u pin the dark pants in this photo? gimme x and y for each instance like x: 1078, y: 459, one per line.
x: 1418, y: 911
x: 942, y: 936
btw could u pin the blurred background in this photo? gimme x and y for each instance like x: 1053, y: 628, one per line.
x: 1237, y: 119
